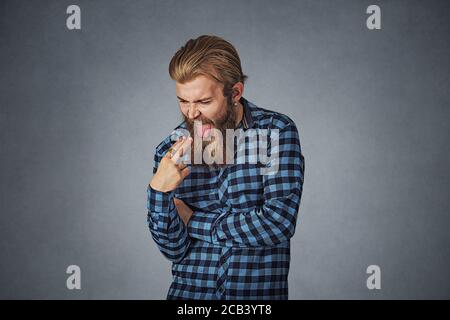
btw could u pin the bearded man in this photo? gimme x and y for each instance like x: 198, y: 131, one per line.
x: 223, y: 219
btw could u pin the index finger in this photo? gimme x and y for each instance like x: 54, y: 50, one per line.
x: 180, y: 150
x: 169, y: 154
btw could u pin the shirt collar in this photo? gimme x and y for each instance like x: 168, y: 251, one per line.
x: 247, y: 119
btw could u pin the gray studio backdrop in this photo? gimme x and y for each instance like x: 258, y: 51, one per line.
x: 83, y: 110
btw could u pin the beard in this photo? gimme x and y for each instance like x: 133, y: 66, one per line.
x: 214, y: 145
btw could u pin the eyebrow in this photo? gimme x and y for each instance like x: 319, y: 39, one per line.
x: 199, y: 100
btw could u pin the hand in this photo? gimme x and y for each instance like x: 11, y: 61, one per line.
x: 170, y: 173
x: 183, y: 210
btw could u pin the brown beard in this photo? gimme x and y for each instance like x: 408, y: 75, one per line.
x: 228, y: 121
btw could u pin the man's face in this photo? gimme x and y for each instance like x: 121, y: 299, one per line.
x: 204, y: 107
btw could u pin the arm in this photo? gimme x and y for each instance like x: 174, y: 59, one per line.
x: 275, y: 221
x: 166, y: 227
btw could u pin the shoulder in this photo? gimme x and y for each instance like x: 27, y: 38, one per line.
x: 265, y: 118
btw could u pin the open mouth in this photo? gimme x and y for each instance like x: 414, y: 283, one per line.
x: 204, y: 130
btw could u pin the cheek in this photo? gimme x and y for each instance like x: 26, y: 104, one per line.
x: 215, y: 112
x: 184, y: 110
x: 208, y: 113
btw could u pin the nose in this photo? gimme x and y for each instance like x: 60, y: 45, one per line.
x: 193, y: 112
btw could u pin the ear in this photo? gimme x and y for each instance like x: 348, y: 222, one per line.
x: 237, y: 91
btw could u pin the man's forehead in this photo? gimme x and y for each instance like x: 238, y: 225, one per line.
x: 199, y: 88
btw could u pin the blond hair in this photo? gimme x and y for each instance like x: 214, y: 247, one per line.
x: 211, y: 56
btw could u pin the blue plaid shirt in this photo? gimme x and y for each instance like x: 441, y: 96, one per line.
x: 237, y: 242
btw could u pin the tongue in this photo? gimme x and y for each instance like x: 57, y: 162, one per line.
x: 205, y: 130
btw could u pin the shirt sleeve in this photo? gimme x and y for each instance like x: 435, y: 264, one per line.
x: 275, y: 221
x: 166, y: 227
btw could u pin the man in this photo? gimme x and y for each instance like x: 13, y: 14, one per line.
x: 225, y: 222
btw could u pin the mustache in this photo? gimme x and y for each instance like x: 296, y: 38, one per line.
x: 227, y: 121
x: 190, y: 122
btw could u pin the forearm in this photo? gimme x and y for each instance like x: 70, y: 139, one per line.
x: 166, y: 227
x: 271, y: 224
x: 274, y: 222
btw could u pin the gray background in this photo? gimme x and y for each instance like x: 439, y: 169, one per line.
x: 82, y: 111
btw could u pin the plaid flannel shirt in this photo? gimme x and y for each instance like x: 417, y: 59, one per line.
x: 237, y: 243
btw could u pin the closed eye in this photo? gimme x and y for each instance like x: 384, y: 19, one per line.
x: 200, y: 102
